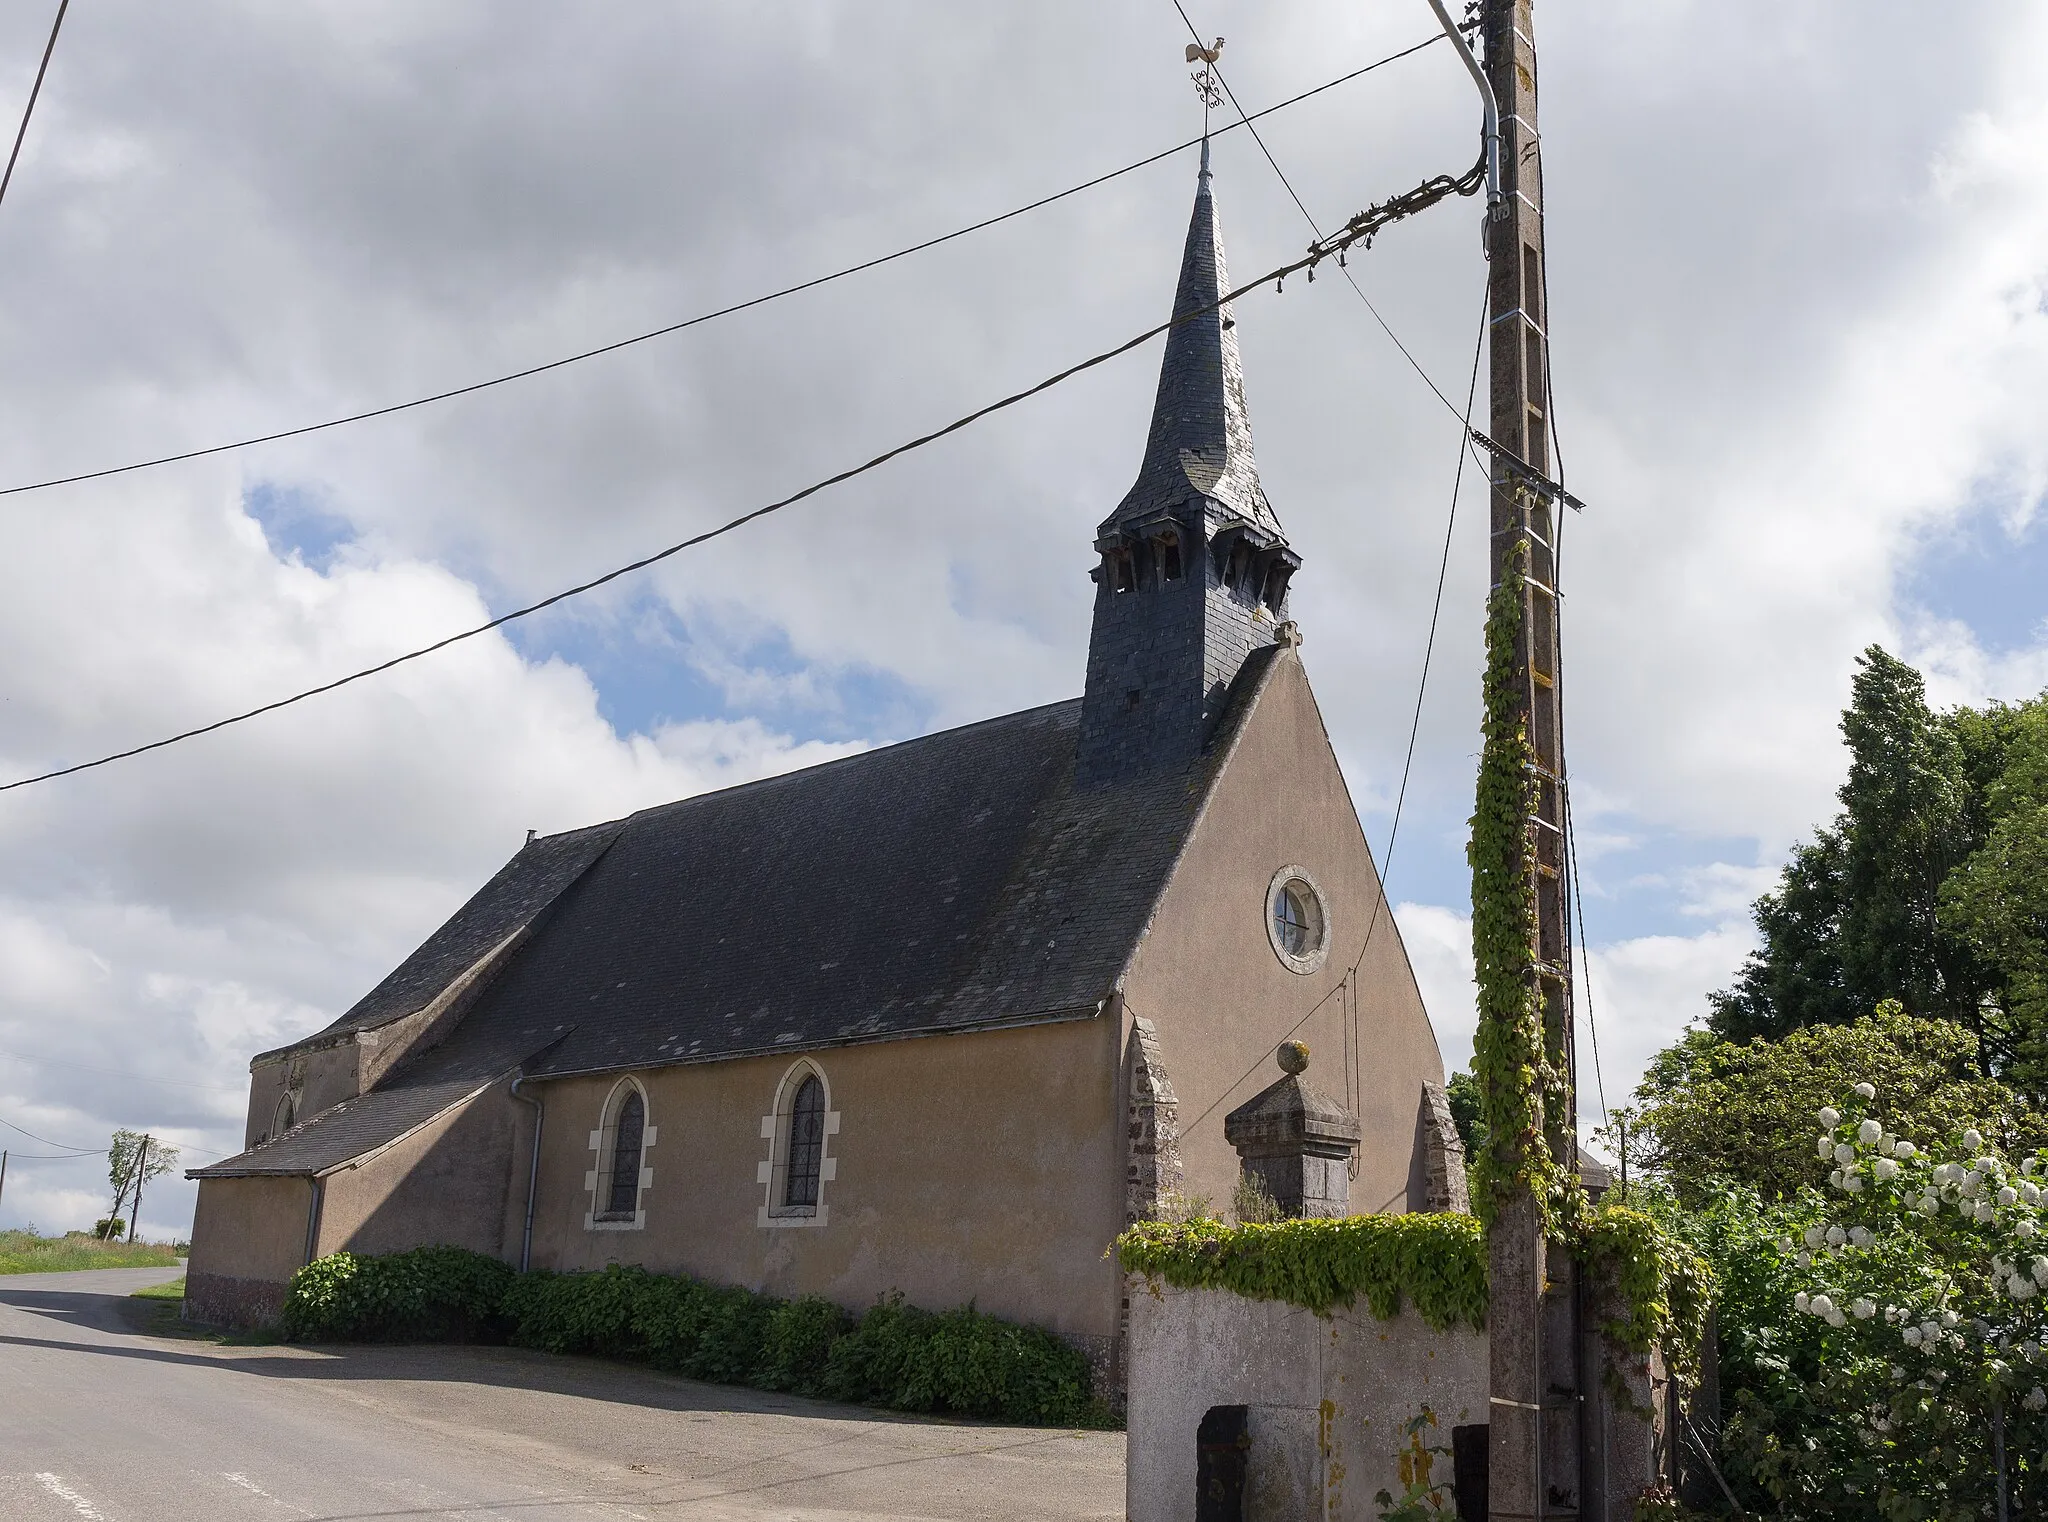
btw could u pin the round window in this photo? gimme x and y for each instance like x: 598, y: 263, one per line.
x: 1296, y: 921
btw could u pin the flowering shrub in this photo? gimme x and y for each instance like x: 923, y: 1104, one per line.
x: 1908, y: 1370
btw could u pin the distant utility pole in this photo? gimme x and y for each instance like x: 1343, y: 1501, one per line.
x: 1536, y: 1470
x: 141, y: 1178
x: 3, y: 1174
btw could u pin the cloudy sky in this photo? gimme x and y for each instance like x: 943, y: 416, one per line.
x: 1799, y: 256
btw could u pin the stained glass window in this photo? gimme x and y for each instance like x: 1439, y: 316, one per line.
x: 625, y: 1190
x: 806, y: 1144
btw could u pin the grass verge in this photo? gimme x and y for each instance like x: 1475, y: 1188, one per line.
x: 23, y: 1252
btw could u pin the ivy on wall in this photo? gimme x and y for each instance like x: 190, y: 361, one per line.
x: 1511, y: 1057
x: 1660, y: 1286
x: 1437, y: 1263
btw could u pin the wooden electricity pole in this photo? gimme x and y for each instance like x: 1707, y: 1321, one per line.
x: 1536, y: 1466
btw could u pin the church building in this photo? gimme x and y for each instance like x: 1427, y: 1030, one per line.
x: 938, y: 1018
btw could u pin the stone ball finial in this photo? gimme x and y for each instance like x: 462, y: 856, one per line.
x: 1292, y: 1056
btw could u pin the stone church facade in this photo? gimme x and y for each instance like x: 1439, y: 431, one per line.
x: 939, y: 1018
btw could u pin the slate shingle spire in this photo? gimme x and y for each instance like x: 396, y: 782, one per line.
x: 1194, y: 564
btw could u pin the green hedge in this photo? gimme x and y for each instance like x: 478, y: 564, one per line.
x: 1437, y: 1263
x: 960, y: 1362
x: 430, y: 1294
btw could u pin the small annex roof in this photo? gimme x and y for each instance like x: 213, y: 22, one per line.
x: 357, y: 1129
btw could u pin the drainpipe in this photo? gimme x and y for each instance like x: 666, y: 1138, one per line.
x: 313, y: 1215
x: 540, y: 1115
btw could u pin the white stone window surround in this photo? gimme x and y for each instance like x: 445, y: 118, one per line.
x: 1312, y: 959
x: 597, y: 1180
x: 772, y: 1170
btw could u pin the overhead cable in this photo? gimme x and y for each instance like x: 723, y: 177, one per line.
x: 1360, y: 229
x: 690, y: 322
x: 35, y: 90
x: 46, y: 1141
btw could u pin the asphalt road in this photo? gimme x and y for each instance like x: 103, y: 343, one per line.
x: 105, y: 1423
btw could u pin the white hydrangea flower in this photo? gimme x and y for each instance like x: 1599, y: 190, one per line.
x: 1970, y: 1186
x: 2039, y: 1269
x: 1912, y: 1334
x: 1824, y: 1145
x: 1785, y: 1244
x: 1863, y: 1307
x: 1928, y: 1204
x: 1950, y: 1318
x: 1983, y: 1211
x: 1805, y: 1260
x: 2008, y: 1195
x: 1836, y: 1236
x: 2031, y: 1166
x: 1903, y: 1149
x: 1815, y: 1236
x: 2024, y: 1229
x: 1867, y: 1090
x: 1845, y: 1154
x: 1830, y: 1117
x: 1835, y: 1179
x: 1869, y: 1133
x: 1801, y: 1302
x: 2036, y: 1399
x: 1973, y: 1139
x: 1835, y: 1317
x: 1885, y: 1169
x: 1898, y: 1374
x: 1861, y: 1236
x: 2021, y: 1288
x: 2030, y: 1192
x: 1852, y: 1181
x: 1820, y: 1305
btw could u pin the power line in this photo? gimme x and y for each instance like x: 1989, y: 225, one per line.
x: 35, y: 90
x: 701, y: 318
x: 46, y: 1141
x: 1359, y: 229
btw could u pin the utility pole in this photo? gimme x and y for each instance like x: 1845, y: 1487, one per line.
x: 1535, y: 1418
x: 3, y: 1175
x: 141, y: 1178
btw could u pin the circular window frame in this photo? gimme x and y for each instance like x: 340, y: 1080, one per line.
x: 1312, y: 960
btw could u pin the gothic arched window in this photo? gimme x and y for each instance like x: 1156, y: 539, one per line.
x: 622, y: 1199
x: 806, y: 1144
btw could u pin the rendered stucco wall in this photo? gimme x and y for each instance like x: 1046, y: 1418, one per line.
x: 447, y: 1183
x: 1206, y: 973
x: 985, y: 1167
x: 248, y: 1238
x: 1329, y: 1401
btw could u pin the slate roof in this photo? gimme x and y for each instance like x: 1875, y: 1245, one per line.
x: 510, y: 902
x: 956, y: 882
x: 1200, y: 443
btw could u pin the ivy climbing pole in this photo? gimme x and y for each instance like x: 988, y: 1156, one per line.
x: 1538, y: 1463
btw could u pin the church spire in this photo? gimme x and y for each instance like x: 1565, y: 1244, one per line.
x: 1194, y: 565
x: 1200, y: 442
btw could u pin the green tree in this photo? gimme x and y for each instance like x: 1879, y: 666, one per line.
x: 1467, y: 1112
x: 1855, y: 918
x: 1717, y: 1113
x: 130, y: 1165
x: 1996, y: 902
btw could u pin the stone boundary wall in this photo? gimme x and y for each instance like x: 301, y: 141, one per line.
x: 1328, y: 1402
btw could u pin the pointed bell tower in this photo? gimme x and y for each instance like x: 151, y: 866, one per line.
x: 1194, y: 566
